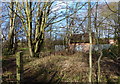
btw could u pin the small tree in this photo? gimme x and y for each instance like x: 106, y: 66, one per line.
x: 90, y: 40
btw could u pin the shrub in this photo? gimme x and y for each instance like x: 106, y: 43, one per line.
x: 112, y: 52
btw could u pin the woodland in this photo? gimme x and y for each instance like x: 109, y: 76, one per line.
x: 60, y: 42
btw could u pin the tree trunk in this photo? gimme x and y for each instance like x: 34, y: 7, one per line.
x: 40, y: 28
x: 12, y: 28
x: 118, y: 27
x: 99, y: 69
x: 95, y: 24
x: 38, y: 33
x: 67, y: 30
x: 39, y: 36
x: 97, y: 42
x: 15, y: 42
x: 29, y: 26
x: 90, y: 40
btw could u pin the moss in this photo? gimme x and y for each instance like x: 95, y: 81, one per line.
x: 24, y: 48
x: 118, y: 80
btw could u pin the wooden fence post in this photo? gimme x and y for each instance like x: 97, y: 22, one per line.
x: 19, y: 66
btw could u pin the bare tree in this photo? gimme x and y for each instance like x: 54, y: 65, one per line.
x: 11, y: 34
x: 90, y: 40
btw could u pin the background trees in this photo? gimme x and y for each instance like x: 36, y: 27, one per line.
x: 35, y: 18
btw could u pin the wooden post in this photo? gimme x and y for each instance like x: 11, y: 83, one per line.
x: 19, y: 66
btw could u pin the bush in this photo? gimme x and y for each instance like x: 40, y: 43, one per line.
x: 5, y: 50
x: 112, y: 52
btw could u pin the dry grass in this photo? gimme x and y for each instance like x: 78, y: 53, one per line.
x: 65, y: 68
x: 68, y: 68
